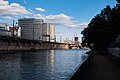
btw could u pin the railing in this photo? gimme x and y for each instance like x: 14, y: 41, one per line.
x: 114, y: 53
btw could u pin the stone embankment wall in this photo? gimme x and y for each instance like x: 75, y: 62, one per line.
x: 14, y: 44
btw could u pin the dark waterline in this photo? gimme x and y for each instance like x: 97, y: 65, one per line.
x: 40, y: 65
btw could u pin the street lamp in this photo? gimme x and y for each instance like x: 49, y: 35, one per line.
x: 92, y: 45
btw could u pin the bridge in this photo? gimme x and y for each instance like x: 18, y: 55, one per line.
x: 74, y: 46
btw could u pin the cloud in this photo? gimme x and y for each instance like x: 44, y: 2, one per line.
x: 24, y: 2
x: 26, y: 16
x: 62, y: 20
x: 2, y: 2
x: 59, y: 16
x: 31, y: 10
x: 7, y: 17
x: 39, y: 16
x: 9, y: 11
x: 58, y: 34
x: 13, y: 9
x: 84, y: 24
x: 40, y: 9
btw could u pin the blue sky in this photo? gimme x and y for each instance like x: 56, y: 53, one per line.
x: 69, y: 16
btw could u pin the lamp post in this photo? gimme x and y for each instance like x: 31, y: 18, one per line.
x: 33, y: 32
x: 92, y: 45
x: 92, y: 56
x: 13, y: 28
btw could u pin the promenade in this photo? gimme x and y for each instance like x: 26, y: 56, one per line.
x: 102, y: 68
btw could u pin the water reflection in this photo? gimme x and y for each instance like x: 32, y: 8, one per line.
x: 40, y: 65
x: 52, y: 58
x: 9, y: 66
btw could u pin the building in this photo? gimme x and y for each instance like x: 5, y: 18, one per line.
x: 48, y: 32
x: 31, y: 28
x: 16, y: 30
x: 68, y: 41
x: 4, y: 30
x: 5, y: 33
x: 52, y: 33
x: 4, y: 26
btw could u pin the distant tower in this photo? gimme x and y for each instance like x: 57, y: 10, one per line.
x: 77, y: 43
x: 76, y: 39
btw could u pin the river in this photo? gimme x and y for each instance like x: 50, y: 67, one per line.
x: 40, y: 65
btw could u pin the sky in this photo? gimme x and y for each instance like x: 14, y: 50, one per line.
x: 69, y: 16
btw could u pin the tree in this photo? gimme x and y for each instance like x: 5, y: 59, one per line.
x: 103, y: 28
x: 118, y: 1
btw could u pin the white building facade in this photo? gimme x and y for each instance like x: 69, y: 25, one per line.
x: 36, y: 29
x: 48, y: 32
x: 31, y: 28
x: 52, y: 33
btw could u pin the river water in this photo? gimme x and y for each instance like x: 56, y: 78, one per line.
x: 40, y: 65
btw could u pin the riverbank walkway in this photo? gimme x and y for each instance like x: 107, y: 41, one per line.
x: 102, y: 68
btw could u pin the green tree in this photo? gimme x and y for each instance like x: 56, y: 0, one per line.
x: 118, y: 1
x: 103, y: 28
